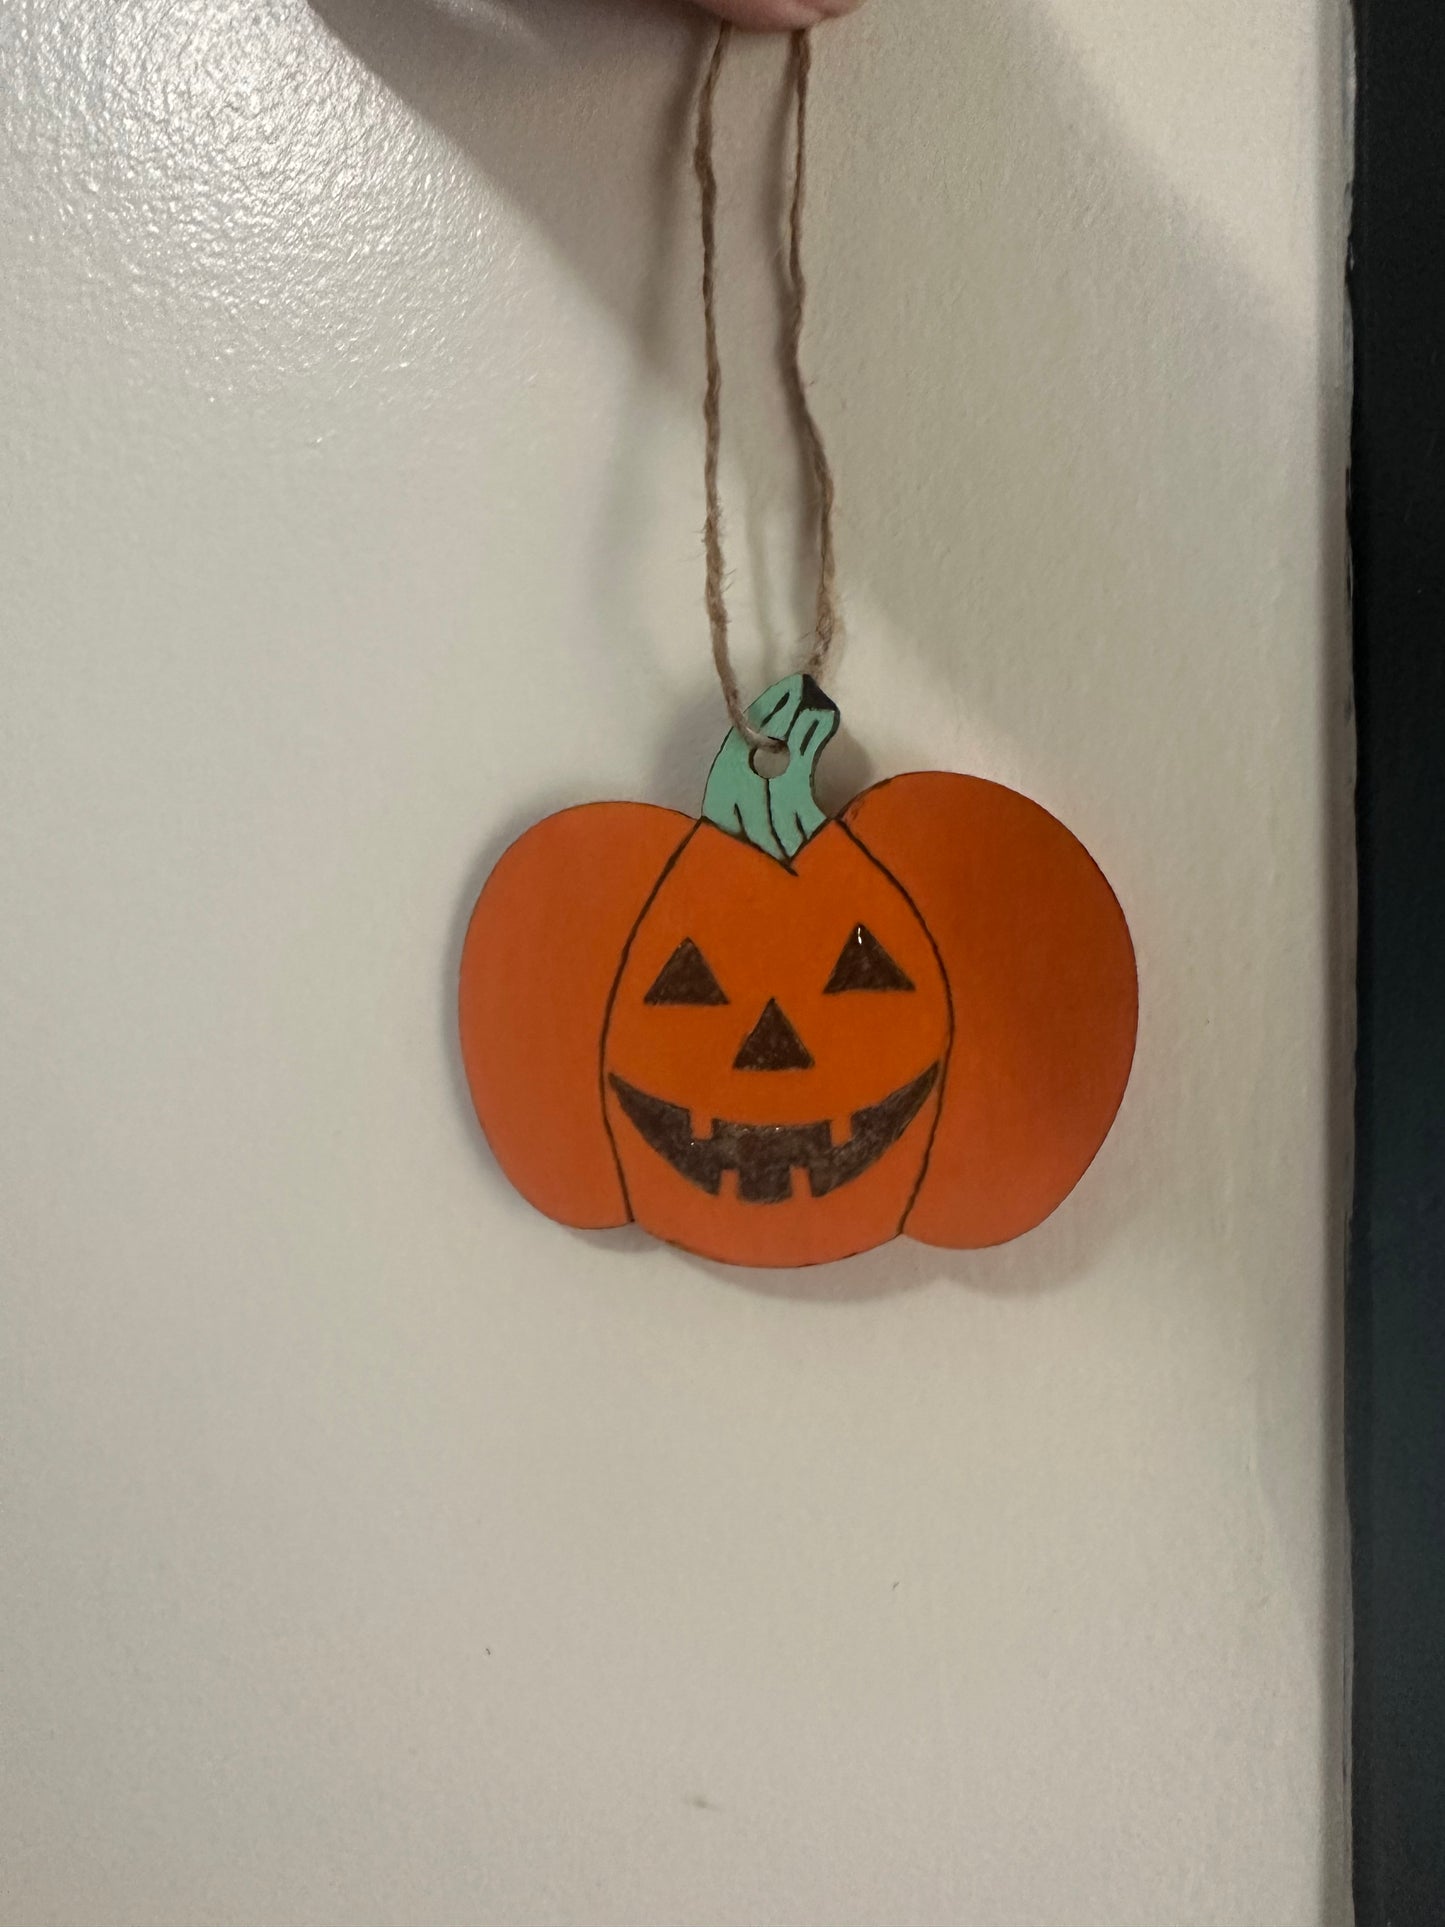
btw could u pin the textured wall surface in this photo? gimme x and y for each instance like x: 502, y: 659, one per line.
x: 375, y: 1550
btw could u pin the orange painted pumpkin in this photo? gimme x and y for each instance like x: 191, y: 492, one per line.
x: 775, y: 1039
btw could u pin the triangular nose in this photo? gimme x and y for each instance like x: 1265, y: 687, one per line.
x: 772, y: 1044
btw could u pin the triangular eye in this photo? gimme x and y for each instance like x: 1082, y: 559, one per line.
x: 865, y: 965
x: 686, y: 978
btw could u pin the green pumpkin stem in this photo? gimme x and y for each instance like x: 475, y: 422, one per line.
x: 776, y: 814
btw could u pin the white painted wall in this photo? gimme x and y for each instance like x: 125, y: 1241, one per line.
x: 376, y: 1551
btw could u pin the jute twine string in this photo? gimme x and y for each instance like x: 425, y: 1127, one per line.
x: 826, y: 620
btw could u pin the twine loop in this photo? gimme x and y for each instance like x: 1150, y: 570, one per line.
x: 826, y: 622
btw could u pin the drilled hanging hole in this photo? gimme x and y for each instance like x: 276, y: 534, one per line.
x: 769, y: 760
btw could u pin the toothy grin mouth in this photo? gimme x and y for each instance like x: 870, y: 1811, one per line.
x: 765, y: 1155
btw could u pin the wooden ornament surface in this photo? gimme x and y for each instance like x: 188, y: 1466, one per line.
x: 810, y: 1094
x: 1045, y: 996
x: 772, y: 1039
x: 538, y: 965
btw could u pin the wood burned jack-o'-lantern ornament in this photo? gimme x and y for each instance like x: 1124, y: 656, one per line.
x: 773, y: 1038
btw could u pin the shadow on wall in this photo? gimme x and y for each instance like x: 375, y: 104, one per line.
x: 1070, y: 371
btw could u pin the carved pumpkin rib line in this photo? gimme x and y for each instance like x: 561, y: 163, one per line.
x: 1107, y: 1119
x: 662, y: 876
x: 947, y: 1064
